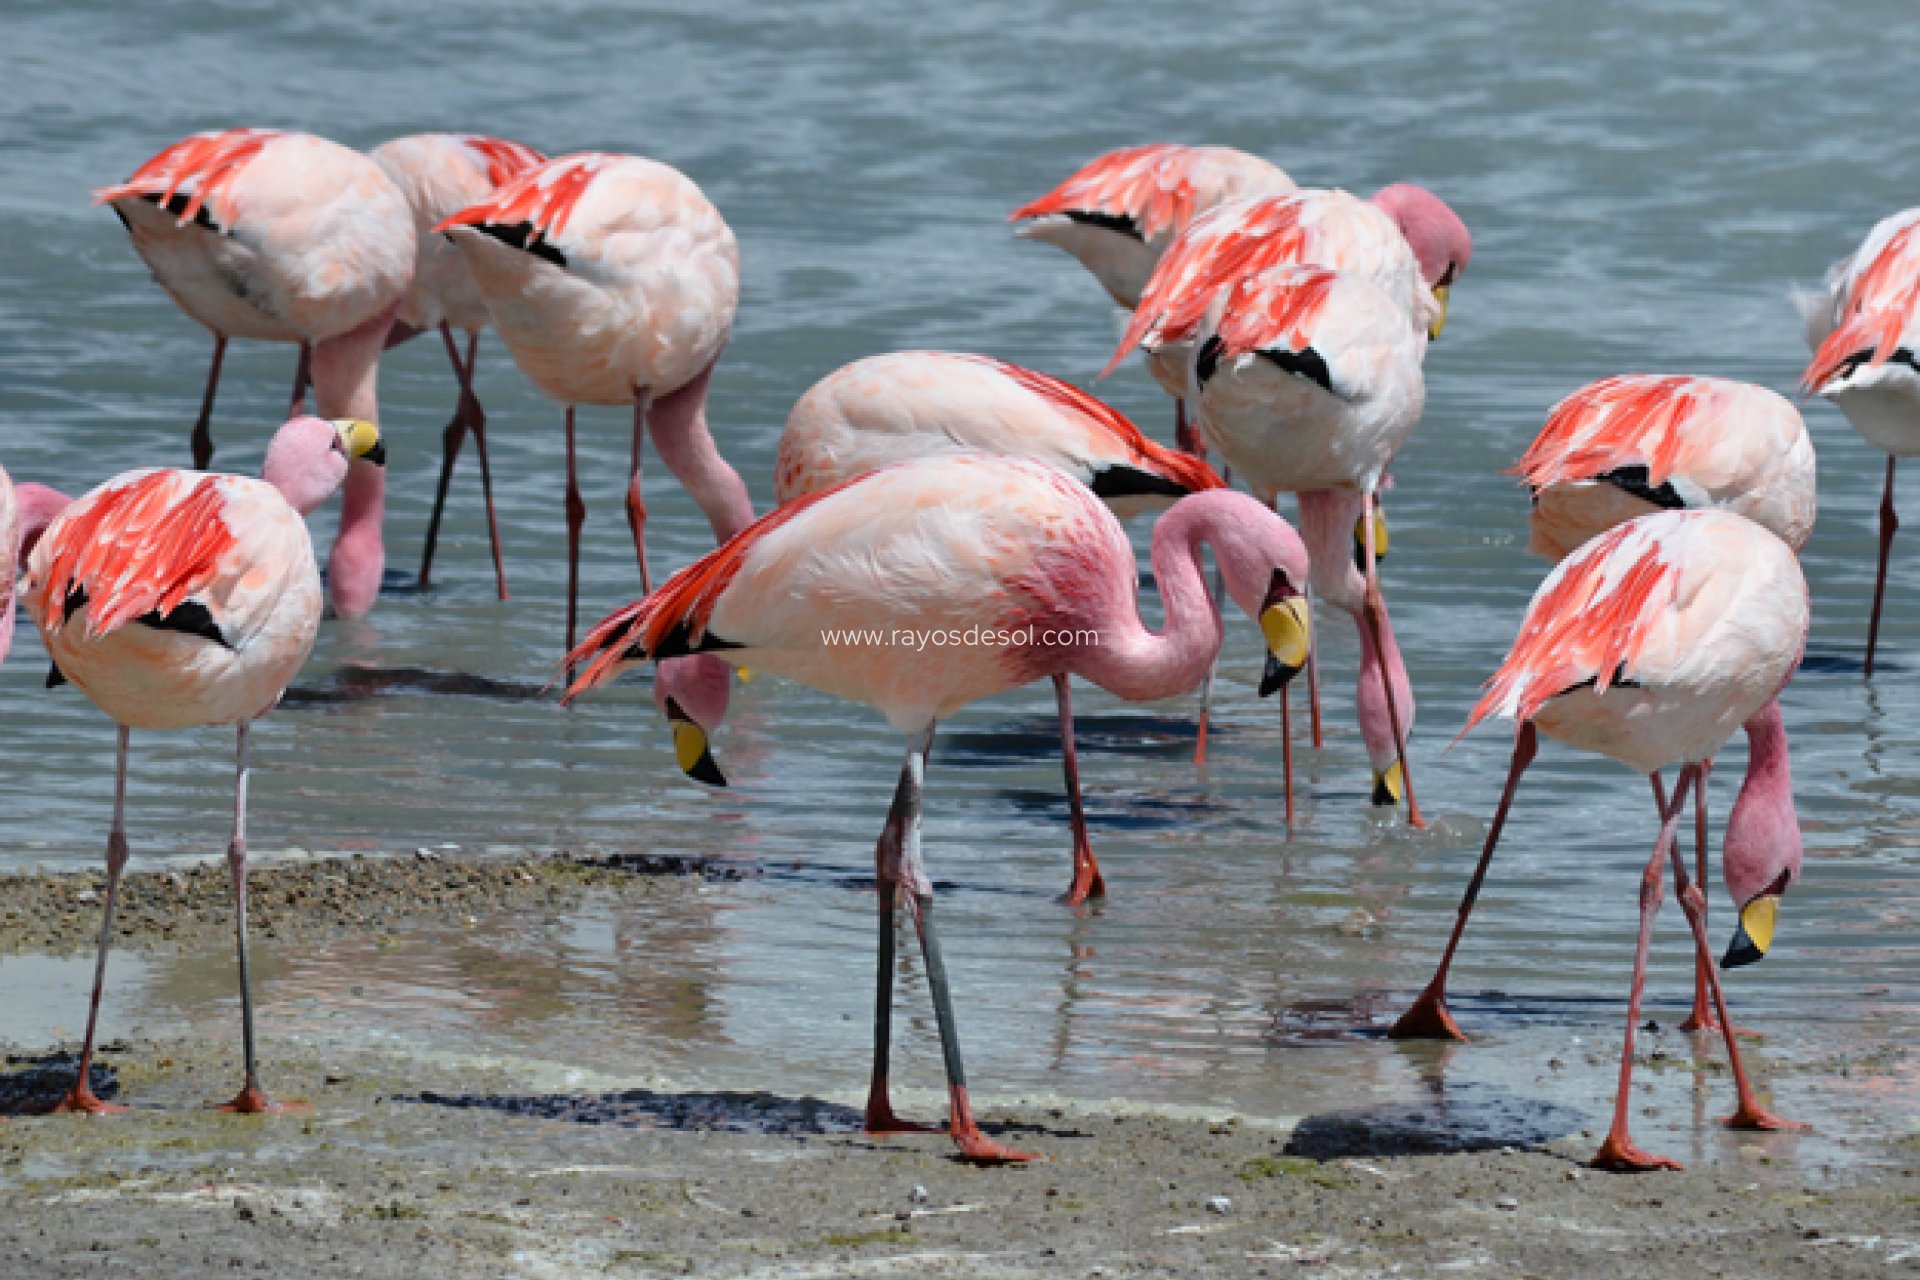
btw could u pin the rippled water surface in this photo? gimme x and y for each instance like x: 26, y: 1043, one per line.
x: 1645, y: 184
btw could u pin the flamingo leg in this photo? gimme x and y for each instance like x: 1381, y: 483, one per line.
x: 1286, y: 746
x: 881, y: 1118
x: 576, y: 517
x: 1313, y: 676
x: 1618, y: 1152
x: 1889, y: 524
x: 1375, y: 609
x: 1429, y: 1019
x: 1749, y: 1114
x: 1701, y: 1018
x: 636, y: 507
x: 451, y: 438
x: 477, y: 422
x: 203, y: 425
x: 81, y: 1096
x: 252, y: 1099
x: 1087, y: 880
x: 1206, y: 690
x: 1185, y: 436
x: 302, y: 377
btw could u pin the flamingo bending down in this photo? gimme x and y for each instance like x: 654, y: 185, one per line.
x: 1865, y: 331
x: 1630, y: 445
x: 969, y: 541
x: 1118, y: 213
x: 1651, y: 644
x: 613, y: 280
x: 285, y: 237
x: 1309, y: 382
x: 175, y: 599
x: 917, y: 404
x: 441, y: 174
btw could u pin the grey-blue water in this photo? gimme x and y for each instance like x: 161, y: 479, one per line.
x: 1644, y: 181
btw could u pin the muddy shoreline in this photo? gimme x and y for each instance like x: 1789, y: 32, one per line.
x: 472, y: 1169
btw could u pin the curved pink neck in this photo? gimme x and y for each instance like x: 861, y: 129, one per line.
x: 1763, y: 830
x: 346, y: 371
x: 678, y: 425
x: 1141, y: 665
x: 1378, y: 664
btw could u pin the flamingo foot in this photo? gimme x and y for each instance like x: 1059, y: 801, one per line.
x: 1751, y: 1115
x: 1618, y: 1155
x: 81, y: 1099
x: 977, y: 1148
x: 253, y: 1101
x: 1428, y: 1019
x: 881, y: 1122
x: 1087, y: 883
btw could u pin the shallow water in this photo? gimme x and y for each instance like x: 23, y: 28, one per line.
x: 1645, y: 184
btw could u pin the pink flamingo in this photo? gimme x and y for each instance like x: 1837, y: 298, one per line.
x: 614, y: 281
x: 25, y: 512
x: 441, y: 174
x: 175, y: 599
x: 1651, y: 644
x: 1309, y: 382
x: 917, y: 404
x: 285, y: 237
x: 1865, y: 329
x: 1118, y: 213
x: 1010, y: 545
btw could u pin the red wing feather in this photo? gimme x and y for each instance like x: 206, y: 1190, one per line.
x: 1593, y: 621
x: 1268, y: 311
x: 1877, y: 310
x: 143, y: 547
x: 1149, y: 184
x: 543, y: 197
x: 505, y: 160
x: 210, y: 161
x: 1641, y: 421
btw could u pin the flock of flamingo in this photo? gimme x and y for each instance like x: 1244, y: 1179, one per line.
x: 928, y: 491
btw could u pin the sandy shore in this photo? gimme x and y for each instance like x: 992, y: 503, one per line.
x: 477, y: 1172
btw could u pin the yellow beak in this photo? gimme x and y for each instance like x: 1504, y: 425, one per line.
x: 361, y: 439
x: 690, y: 750
x: 1390, y: 786
x: 1755, y: 934
x: 1288, y: 629
x: 1379, y: 539
x: 1440, y: 292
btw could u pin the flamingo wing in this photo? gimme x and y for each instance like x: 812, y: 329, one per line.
x: 1881, y: 300
x: 505, y: 160
x: 193, y: 178
x: 531, y: 211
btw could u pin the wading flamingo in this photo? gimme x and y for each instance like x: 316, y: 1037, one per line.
x: 285, y: 237
x: 1650, y: 645
x: 1309, y: 382
x: 1118, y: 213
x: 1637, y: 443
x: 441, y: 174
x: 917, y: 404
x: 176, y: 599
x: 614, y: 281
x: 1865, y: 332
x: 969, y: 541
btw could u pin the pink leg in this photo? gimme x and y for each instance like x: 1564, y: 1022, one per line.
x: 1087, y: 880
x: 1429, y: 1018
x: 1313, y: 678
x: 1375, y: 609
x: 477, y: 421
x: 1286, y: 745
x: 252, y: 1099
x: 203, y: 425
x: 81, y: 1096
x: 576, y: 517
x: 636, y: 507
x: 1889, y: 523
x: 888, y: 867
x: 1618, y: 1152
x: 451, y: 438
x: 302, y: 376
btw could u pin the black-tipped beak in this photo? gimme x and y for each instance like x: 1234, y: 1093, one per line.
x: 1741, y: 951
x: 378, y: 454
x: 690, y: 748
x: 1276, y: 676
x: 1755, y: 934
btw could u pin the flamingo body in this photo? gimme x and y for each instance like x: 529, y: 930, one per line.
x: 1865, y: 330
x: 1118, y: 213
x: 1630, y: 445
x: 605, y: 274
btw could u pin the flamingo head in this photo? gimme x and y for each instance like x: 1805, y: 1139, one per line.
x: 1762, y: 848
x: 692, y: 693
x: 1439, y: 239
x: 1263, y: 565
x: 309, y: 457
x: 39, y: 507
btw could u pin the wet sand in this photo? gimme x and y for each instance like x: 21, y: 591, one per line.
x: 476, y: 1171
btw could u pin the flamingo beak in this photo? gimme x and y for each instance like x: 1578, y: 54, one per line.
x: 361, y: 439
x: 1439, y: 322
x: 690, y: 748
x: 1389, y: 785
x: 1379, y: 539
x: 1755, y: 934
x: 1289, y: 632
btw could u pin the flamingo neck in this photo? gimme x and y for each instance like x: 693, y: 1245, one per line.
x: 346, y: 369
x: 1763, y: 830
x: 1141, y: 665
x: 359, y: 555
x: 1379, y: 664
x: 678, y: 425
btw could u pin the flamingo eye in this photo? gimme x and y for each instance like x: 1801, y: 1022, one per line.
x: 1446, y: 280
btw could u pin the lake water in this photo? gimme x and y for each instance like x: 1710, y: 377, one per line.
x: 1645, y: 183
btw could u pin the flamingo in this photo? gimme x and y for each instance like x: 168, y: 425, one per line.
x: 441, y: 174
x: 176, y: 599
x: 1009, y: 545
x: 916, y: 404
x: 614, y: 281
x: 1118, y: 213
x: 285, y: 237
x: 1650, y: 645
x: 1633, y: 444
x: 1309, y: 382
x: 1862, y: 328
x: 25, y: 512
